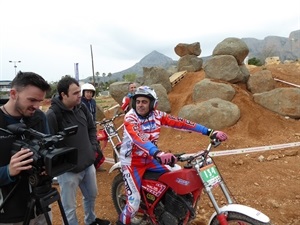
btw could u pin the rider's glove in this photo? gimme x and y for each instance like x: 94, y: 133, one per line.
x: 220, y: 135
x: 165, y: 158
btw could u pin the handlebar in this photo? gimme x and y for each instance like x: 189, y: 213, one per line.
x: 105, y: 121
x: 182, y: 157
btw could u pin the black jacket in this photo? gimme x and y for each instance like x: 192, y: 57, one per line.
x: 14, y: 208
x: 84, y: 140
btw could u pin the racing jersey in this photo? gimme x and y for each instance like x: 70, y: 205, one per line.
x: 141, y: 134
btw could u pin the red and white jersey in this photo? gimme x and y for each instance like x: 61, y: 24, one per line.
x: 141, y: 134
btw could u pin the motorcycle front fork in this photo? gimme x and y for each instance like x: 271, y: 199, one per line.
x: 221, y: 216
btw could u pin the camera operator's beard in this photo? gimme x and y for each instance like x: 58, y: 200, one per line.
x: 24, y: 111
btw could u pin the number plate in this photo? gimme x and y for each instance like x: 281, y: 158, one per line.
x: 110, y: 129
x: 210, y: 175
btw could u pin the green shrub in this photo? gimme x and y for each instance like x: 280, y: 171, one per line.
x: 254, y: 61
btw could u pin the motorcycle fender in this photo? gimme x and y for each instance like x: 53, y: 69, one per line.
x: 115, y: 166
x: 242, y: 209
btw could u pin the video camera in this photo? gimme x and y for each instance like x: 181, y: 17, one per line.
x: 47, y: 159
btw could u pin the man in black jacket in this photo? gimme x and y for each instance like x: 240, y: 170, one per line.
x: 84, y: 175
x: 27, y: 91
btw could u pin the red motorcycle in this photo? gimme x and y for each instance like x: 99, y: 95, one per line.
x: 171, y: 198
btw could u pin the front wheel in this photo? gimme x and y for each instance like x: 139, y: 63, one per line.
x: 238, y: 218
x: 118, y: 147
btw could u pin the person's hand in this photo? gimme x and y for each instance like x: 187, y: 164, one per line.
x: 220, y: 135
x: 166, y: 158
x: 20, y: 161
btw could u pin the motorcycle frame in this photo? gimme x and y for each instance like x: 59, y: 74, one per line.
x: 112, y: 137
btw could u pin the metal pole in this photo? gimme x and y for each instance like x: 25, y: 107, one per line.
x: 93, y: 65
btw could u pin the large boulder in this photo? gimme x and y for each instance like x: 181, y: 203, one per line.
x: 223, y: 67
x: 232, y: 46
x: 183, y: 49
x: 190, y: 63
x: 214, y: 113
x: 284, y: 101
x: 261, y: 81
x: 156, y: 75
x: 163, y: 100
x: 207, y: 89
x: 118, y: 90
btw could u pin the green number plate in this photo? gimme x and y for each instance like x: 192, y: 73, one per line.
x: 210, y: 175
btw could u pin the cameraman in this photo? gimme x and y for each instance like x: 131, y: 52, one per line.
x: 27, y: 91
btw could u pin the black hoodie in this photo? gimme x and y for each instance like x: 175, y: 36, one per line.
x: 84, y: 140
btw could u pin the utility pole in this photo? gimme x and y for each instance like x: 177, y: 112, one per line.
x: 15, y: 65
x: 93, y: 65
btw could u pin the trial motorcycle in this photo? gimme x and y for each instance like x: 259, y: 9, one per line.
x: 109, y: 133
x: 171, y: 198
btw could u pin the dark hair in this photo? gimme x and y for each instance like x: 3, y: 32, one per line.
x: 23, y: 79
x: 64, y: 84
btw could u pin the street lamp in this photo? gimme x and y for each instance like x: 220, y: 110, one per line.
x: 15, y: 65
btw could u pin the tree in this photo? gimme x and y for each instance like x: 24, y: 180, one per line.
x: 130, y: 77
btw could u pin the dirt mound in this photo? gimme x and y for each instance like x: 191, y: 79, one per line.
x: 271, y: 186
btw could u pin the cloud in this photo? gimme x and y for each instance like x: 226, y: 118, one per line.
x: 50, y: 36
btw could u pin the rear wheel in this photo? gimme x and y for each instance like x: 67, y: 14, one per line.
x: 239, y: 219
x: 118, y: 193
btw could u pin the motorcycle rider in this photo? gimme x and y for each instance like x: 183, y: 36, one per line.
x: 139, y: 152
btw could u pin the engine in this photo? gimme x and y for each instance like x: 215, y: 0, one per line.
x: 173, y: 208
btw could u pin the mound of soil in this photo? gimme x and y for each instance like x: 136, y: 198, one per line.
x: 271, y: 185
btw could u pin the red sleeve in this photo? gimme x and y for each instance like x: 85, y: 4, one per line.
x: 125, y: 103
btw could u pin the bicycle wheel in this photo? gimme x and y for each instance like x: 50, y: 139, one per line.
x: 238, y: 219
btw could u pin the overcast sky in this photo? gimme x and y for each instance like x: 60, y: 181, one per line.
x: 48, y: 37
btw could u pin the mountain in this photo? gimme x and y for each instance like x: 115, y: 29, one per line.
x: 151, y: 60
x: 285, y: 48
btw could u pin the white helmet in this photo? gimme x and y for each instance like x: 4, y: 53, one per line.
x: 88, y: 87
x: 146, y: 92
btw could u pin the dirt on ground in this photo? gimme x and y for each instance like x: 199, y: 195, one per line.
x: 271, y: 185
